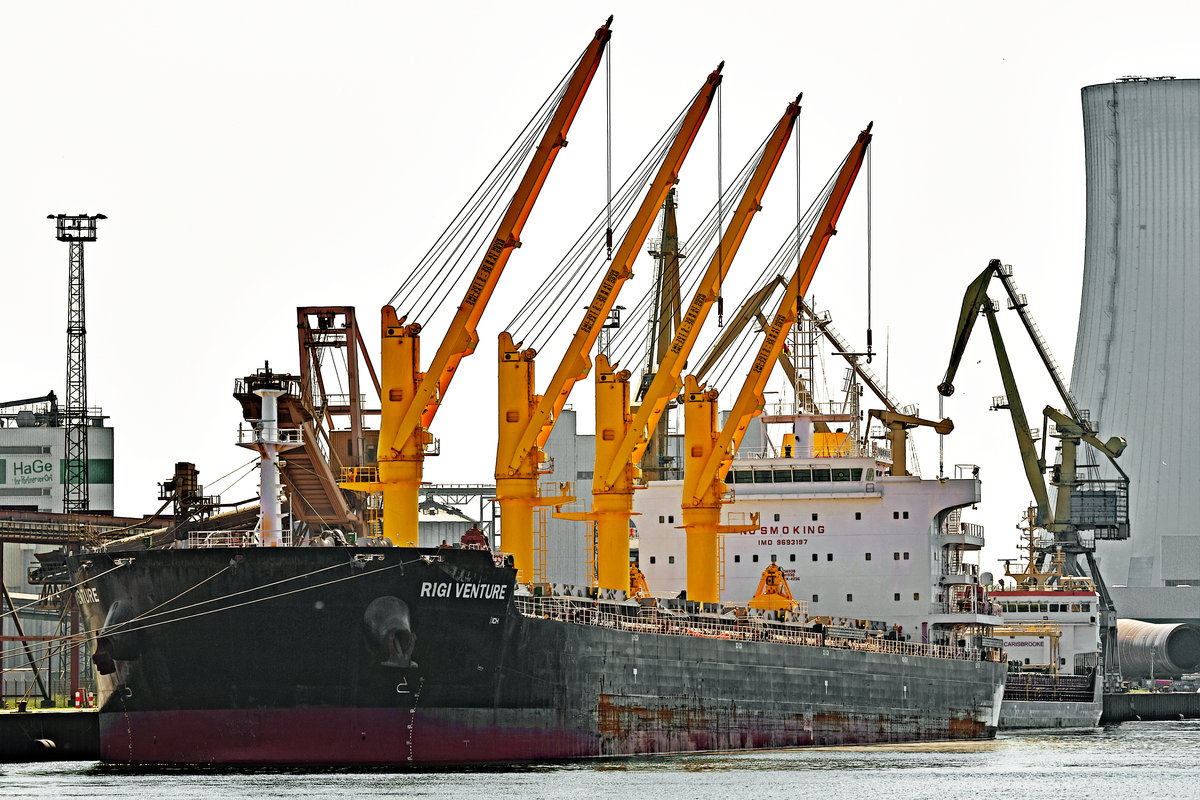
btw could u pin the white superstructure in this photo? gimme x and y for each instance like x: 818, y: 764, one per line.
x: 1051, y: 627
x: 854, y: 543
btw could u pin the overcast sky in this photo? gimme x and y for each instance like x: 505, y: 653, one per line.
x: 253, y: 157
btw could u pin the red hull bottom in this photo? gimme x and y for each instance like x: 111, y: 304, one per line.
x: 382, y: 737
x: 326, y: 736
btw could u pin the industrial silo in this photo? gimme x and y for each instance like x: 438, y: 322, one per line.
x: 1137, y: 355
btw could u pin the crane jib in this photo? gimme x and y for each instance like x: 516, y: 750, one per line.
x: 606, y: 288
x: 773, y: 333
x: 684, y: 332
x: 485, y: 270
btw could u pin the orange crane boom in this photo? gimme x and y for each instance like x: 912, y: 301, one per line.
x: 621, y: 438
x: 707, y: 453
x: 526, y: 419
x: 667, y: 382
x: 411, y: 397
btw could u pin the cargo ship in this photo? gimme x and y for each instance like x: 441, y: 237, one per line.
x: 393, y: 656
x: 302, y: 642
x: 220, y: 650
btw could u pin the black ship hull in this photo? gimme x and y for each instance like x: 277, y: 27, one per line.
x: 392, y: 656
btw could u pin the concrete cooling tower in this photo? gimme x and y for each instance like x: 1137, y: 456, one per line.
x: 1137, y: 355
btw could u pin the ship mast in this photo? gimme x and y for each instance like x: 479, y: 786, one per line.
x: 664, y: 319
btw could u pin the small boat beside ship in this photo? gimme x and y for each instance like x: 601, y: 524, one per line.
x: 1051, y: 634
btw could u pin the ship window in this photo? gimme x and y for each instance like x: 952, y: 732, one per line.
x: 777, y: 518
x: 916, y: 595
x: 815, y: 556
x: 651, y: 559
x: 783, y: 476
x: 856, y: 474
x: 754, y: 558
x: 841, y: 474
x: 802, y: 475
x: 1086, y: 607
x: 670, y: 559
x: 849, y: 598
x: 661, y: 518
x: 870, y: 473
x: 1044, y: 609
x: 729, y: 476
x: 896, y: 597
x: 895, y: 515
x: 1022, y: 608
x: 895, y: 556
x: 814, y: 598
x: 858, y: 515
x: 743, y: 476
x: 737, y: 559
x: 814, y: 517
x: 670, y: 518
x: 1053, y: 608
x: 868, y: 556
x: 906, y: 515
x: 820, y: 474
x: 829, y: 556
x: 1075, y: 606
x: 906, y: 556
x: 762, y: 476
x: 792, y: 557
x: 772, y: 558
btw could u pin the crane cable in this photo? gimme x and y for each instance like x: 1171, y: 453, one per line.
x: 720, y: 214
x: 472, y: 245
x: 608, y: 233
x: 730, y: 362
x: 576, y: 272
x: 440, y: 268
x: 870, y: 207
x: 727, y: 364
x: 799, y: 215
x: 627, y: 340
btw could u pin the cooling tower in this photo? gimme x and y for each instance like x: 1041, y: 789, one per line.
x: 1137, y: 355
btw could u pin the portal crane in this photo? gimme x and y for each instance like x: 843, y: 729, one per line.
x: 621, y: 437
x: 1103, y: 511
x: 410, y: 397
x: 707, y: 452
x: 526, y: 419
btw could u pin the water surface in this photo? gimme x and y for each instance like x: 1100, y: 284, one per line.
x: 1134, y: 759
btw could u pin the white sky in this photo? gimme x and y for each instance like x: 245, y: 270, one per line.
x: 253, y: 157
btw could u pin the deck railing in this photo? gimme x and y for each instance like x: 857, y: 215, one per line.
x: 650, y: 619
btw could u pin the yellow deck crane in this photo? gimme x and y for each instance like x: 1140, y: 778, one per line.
x: 707, y: 452
x: 898, y: 425
x: 525, y: 418
x: 621, y: 437
x: 1102, y: 508
x: 410, y: 397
